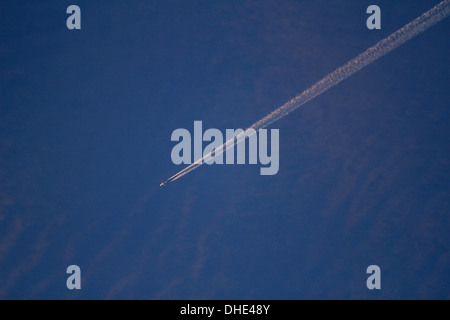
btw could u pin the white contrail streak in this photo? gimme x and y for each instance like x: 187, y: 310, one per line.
x: 396, y: 39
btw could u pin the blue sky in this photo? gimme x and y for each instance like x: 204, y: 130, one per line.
x: 85, y: 123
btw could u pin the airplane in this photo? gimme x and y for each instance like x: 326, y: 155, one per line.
x: 163, y: 183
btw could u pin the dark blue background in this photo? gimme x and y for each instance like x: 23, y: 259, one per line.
x: 85, y: 124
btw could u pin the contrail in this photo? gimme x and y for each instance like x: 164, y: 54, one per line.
x: 396, y: 39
